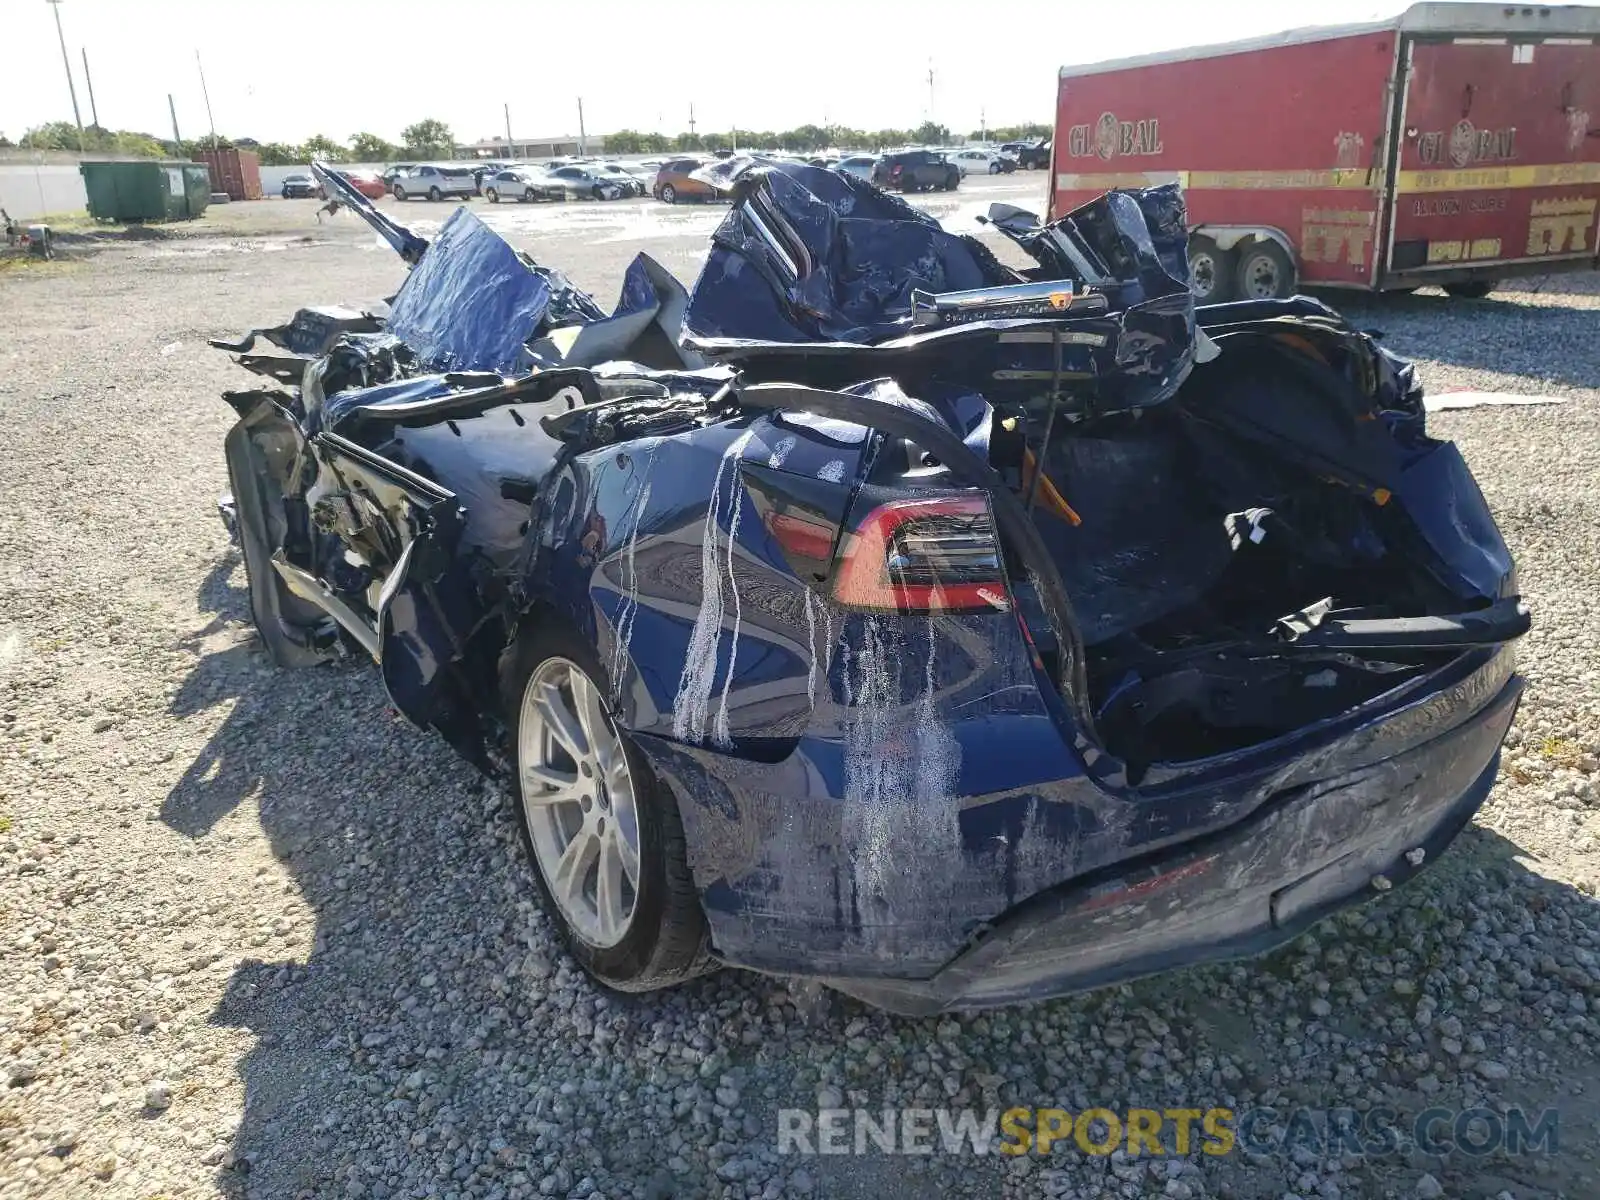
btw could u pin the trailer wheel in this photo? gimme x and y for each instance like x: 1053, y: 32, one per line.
x: 1473, y: 289
x: 1265, y: 272
x: 1211, y: 271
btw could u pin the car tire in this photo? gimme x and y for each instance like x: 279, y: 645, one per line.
x: 994, y: 168
x: 528, y: 196
x: 1473, y: 289
x: 553, y: 680
x: 668, y: 194
x: 285, y: 193
x: 399, y: 192
x: 492, y: 196
x: 434, y: 194
x: 1211, y: 272
x: 1265, y: 272
x: 597, y: 192
x: 953, y: 183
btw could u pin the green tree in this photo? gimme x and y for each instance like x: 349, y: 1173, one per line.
x: 63, y: 135
x: 655, y: 143
x: 716, y: 141
x: 142, y: 144
x: 688, y: 141
x: 428, y: 138
x: 625, y: 141
x: 370, y: 148
x: 279, y: 154
x: 883, y: 139
x: 53, y: 135
x: 324, y: 148
x: 930, y: 134
x: 805, y: 137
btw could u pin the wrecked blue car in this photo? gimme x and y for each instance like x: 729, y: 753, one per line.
x: 876, y: 612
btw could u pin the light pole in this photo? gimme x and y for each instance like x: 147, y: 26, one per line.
x: 55, y: 7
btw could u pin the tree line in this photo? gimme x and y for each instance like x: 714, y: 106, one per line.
x: 426, y: 139
x: 812, y: 137
x: 433, y: 139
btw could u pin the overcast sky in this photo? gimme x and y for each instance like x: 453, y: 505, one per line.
x: 282, y: 70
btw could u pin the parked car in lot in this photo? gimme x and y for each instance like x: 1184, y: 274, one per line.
x: 301, y: 187
x: 369, y: 183
x: 394, y: 170
x: 859, y: 165
x: 673, y: 182
x: 635, y: 183
x: 587, y: 182
x: 880, y: 659
x: 982, y: 162
x: 916, y: 171
x: 1035, y: 156
x: 522, y: 184
x: 434, y: 183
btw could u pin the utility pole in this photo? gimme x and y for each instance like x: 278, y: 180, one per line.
x: 983, y: 125
x: 55, y: 7
x: 207, y: 96
x: 173, y: 109
x: 930, y: 91
x: 94, y: 113
x: 509, y: 149
x: 583, y: 138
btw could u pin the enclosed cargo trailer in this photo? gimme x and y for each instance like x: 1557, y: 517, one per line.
x: 1456, y: 144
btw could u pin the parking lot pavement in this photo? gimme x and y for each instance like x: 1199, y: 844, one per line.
x: 262, y: 938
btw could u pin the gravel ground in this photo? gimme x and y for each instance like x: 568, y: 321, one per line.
x: 258, y: 937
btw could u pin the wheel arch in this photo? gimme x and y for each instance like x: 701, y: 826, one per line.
x: 1241, y: 237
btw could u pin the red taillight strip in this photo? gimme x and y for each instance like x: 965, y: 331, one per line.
x: 863, y: 579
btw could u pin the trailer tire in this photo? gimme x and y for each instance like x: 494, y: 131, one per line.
x: 1211, y: 271
x: 1265, y: 272
x: 1472, y: 289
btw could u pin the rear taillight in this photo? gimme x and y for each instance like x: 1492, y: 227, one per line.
x: 922, y: 555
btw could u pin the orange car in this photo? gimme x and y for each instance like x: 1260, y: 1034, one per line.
x: 673, y: 182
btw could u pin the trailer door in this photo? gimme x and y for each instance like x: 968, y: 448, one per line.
x: 1499, y: 158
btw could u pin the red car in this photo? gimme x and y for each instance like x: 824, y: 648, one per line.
x: 368, y: 183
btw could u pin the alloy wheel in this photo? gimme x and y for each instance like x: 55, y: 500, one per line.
x: 579, y: 800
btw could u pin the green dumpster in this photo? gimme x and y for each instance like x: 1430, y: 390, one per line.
x: 146, y: 190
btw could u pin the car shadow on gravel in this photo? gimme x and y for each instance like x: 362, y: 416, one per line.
x: 1537, y: 334
x: 423, y: 1032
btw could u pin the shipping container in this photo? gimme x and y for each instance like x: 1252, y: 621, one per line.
x: 146, y: 190
x: 236, y: 172
x: 1456, y: 144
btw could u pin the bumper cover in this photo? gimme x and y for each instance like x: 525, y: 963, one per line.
x: 1240, y: 892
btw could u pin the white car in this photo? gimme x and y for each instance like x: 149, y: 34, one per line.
x: 982, y: 162
x: 587, y: 183
x: 433, y: 182
x: 859, y: 165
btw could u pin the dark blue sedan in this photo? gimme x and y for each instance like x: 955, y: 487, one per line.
x: 876, y: 613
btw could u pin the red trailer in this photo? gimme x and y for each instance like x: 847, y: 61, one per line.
x: 1450, y: 145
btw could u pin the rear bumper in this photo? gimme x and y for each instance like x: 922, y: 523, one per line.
x: 1239, y: 892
